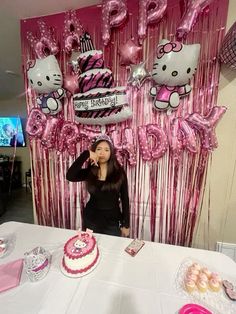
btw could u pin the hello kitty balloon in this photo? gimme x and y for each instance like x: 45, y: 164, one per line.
x: 173, y: 67
x: 45, y: 78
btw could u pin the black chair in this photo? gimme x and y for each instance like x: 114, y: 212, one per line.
x: 28, y: 179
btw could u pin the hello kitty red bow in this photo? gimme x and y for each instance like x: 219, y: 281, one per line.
x: 168, y: 47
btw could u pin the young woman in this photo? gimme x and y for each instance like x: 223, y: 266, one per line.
x: 107, y: 184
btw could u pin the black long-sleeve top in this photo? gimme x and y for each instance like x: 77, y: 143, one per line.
x: 103, y: 207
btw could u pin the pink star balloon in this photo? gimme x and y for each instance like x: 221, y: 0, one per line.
x: 129, y: 53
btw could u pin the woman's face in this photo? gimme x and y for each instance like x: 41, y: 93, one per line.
x: 103, y: 152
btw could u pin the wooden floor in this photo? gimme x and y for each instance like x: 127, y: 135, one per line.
x: 19, y: 207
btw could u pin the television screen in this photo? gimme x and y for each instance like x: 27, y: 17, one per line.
x: 11, y: 132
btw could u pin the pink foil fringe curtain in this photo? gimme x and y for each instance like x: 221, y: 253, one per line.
x: 165, y: 195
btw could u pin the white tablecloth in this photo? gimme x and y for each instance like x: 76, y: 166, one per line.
x: 144, y: 284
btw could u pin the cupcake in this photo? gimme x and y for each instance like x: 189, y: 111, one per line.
x: 216, y: 276
x: 203, y: 277
x: 196, y: 266
x: 214, y: 285
x: 193, y: 270
x: 189, y: 285
x: 206, y: 271
x: 202, y: 285
x: 191, y: 276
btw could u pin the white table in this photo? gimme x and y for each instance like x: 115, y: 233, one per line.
x: 120, y: 284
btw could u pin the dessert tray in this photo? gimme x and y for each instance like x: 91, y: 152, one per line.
x: 216, y: 302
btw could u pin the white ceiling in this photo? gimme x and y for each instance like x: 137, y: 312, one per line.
x: 11, y: 12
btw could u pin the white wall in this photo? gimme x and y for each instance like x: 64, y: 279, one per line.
x: 221, y: 181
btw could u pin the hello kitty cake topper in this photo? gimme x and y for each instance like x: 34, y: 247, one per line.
x: 89, y: 232
x: 173, y: 68
x: 81, y: 241
x: 80, y: 233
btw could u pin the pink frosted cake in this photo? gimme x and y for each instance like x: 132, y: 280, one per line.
x: 98, y: 102
x: 81, y: 255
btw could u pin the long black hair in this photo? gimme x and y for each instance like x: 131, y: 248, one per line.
x: 115, y: 172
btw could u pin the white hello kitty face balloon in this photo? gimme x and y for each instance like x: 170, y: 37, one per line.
x: 45, y: 75
x: 175, y: 63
